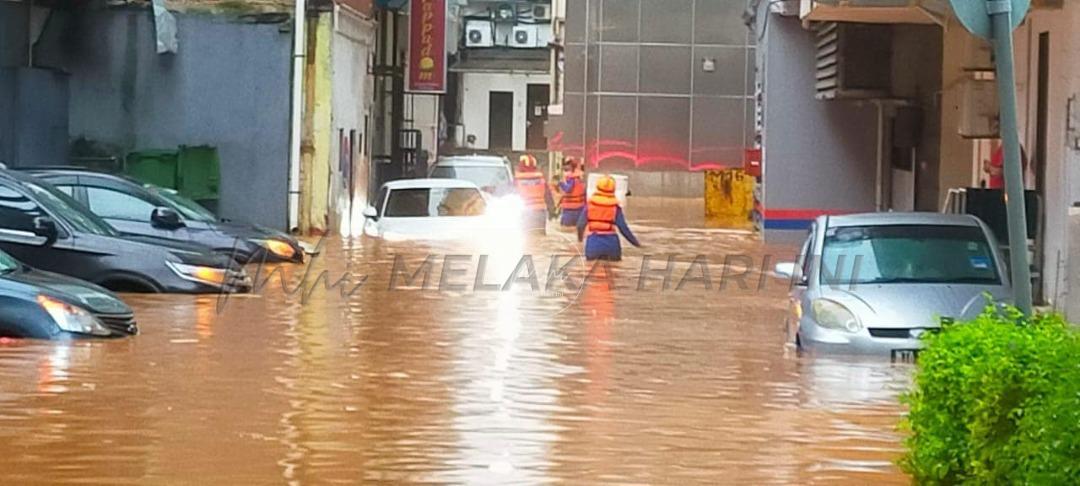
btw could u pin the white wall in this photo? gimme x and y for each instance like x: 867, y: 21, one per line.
x: 475, y: 97
x: 351, y: 102
x: 422, y: 113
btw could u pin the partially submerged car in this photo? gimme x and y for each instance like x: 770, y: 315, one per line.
x: 436, y: 209
x: 44, y: 305
x: 874, y: 283
x: 491, y: 173
x: 46, y: 229
x: 144, y: 209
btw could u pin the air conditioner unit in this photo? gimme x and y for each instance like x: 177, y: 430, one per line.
x: 853, y: 60
x: 479, y: 33
x: 541, y: 12
x: 524, y: 37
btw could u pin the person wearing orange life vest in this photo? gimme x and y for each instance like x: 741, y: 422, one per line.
x: 573, y: 193
x: 603, y: 219
x: 534, y: 191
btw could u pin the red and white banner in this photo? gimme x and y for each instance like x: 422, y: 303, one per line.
x: 427, y: 46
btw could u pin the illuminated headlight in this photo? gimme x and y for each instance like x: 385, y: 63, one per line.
x: 506, y: 211
x: 70, y: 318
x: 831, y: 315
x: 278, y: 248
x: 197, y: 273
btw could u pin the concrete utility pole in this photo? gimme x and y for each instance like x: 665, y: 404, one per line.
x: 995, y: 21
x: 1001, y: 15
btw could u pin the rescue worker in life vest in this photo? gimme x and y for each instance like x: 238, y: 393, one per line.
x: 534, y: 191
x: 601, y: 217
x: 573, y: 193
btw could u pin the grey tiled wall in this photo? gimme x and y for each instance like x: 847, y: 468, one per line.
x: 637, y: 91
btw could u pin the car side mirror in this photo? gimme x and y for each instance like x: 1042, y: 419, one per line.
x: 370, y: 212
x: 45, y: 227
x: 785, y: 269
x: 166, y: 218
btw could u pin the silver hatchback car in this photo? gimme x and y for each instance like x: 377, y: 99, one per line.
x: 874, y: 283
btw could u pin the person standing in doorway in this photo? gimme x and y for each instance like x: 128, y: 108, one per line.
x: 995, y: 167
x: 603, y: 219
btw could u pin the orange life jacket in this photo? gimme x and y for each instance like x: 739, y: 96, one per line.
x: 603, y: 208
x: 531, y: 187
x: 575, y: 199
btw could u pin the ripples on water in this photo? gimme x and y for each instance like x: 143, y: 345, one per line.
x: 601, y: 385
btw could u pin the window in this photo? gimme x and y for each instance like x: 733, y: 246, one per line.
x: 7, y: 263
x: 69, y: 190
x: 908, y: 254
x: 805, y: 254
x: 108, y: 203
x: 17, y: 212
x: 437, y: 201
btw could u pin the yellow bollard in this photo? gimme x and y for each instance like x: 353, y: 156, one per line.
x: 729, y: 199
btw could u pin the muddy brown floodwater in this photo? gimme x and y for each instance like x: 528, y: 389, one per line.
x: 418, y: 384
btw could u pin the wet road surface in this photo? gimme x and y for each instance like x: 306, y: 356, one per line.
x: 417, y: 384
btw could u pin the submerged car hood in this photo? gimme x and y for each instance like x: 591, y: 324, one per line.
x: 914, y: 305
x: 94, y: 298
x: 189, y: 253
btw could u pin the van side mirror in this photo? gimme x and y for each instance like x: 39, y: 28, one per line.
x: 45, y: 227
x: 166, y: 218
x: 371, y: 213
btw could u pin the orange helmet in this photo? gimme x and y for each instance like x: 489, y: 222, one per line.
x: 527, y: 161
x: 606, y: 185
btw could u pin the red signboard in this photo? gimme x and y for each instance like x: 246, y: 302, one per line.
x: 427, y: 46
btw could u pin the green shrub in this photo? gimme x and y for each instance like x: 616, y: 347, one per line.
x: 996, y: 401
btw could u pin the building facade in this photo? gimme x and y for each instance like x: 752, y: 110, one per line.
x: 500, y: 76
x: 913, y: 125
x: 660, y: 90
x: 95, y: 81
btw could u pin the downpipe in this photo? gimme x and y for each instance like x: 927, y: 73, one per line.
x: 297, y: 112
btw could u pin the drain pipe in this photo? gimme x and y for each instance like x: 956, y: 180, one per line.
x: 296, y: 118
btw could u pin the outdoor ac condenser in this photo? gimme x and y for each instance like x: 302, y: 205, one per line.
x: 524, y: 37
x: 479, y: 33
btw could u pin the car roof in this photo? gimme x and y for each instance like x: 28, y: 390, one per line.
x: 888, y: 219
x: 16, y: 176
x: 430, y: 183
x: 472, y: 160
x: 69, y: 170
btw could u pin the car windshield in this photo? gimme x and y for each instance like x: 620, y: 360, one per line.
x: 7, y: 263
x: 69, y: 210
x: 487, y: 177
x: 187, y: 208
x: 434, y: 202
x: 907, y: 254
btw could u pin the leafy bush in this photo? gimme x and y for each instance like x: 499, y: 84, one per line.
x: 996, y: 401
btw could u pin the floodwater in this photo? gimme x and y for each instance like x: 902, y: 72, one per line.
x: 421, y: 384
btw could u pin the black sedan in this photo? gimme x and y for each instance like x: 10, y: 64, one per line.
x: 141, y: 209
x: 43, y: 305
x: 45, y: 228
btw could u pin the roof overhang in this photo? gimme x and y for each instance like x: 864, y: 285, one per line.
x: 876, y: 11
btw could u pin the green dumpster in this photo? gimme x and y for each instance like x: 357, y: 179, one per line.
x: 193, y: 171
x: 158, y: 167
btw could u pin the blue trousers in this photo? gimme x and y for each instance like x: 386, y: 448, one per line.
x: 603, y: 247
x: 569, y: 217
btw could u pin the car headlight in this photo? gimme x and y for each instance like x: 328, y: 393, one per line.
x: 71, y: 318
x: 201, y: 274
x: 279, y: 248
x: 832, y: 315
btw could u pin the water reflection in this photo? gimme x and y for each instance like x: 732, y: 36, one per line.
x: 605, y: 385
